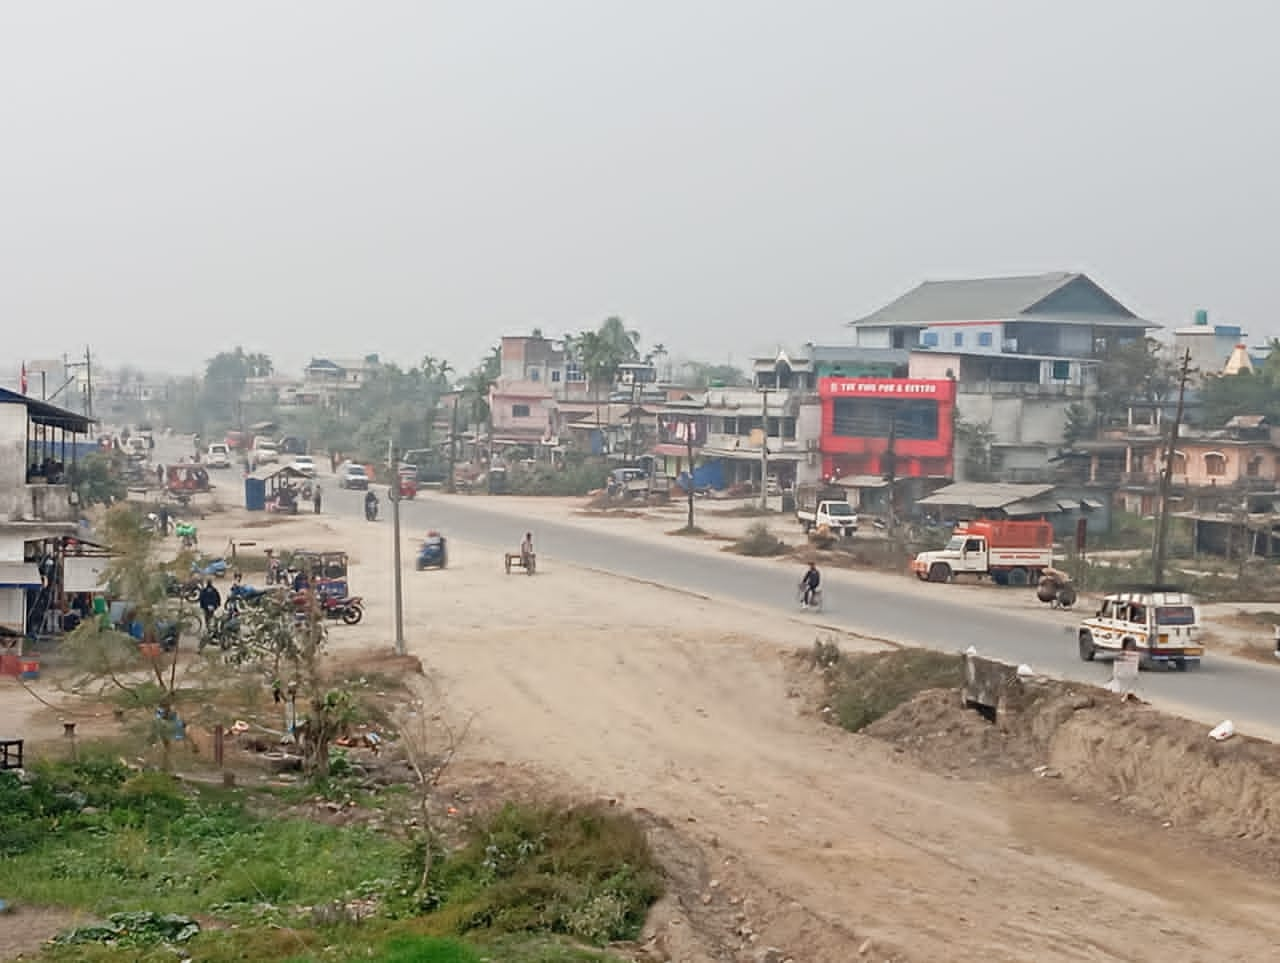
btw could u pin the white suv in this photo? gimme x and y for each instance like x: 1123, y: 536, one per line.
x: 352, y: 475
x: 218, y: 456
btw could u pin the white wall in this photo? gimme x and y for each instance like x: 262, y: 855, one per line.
x: 13, y: 459
x: 932, y: 366
x: 872, y: 338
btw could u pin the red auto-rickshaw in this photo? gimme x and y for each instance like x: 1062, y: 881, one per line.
x: 408, y: 481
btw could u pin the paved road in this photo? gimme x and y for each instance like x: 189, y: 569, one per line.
x: 1222, y: 688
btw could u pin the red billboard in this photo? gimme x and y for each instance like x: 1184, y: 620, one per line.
x: 864, y: 419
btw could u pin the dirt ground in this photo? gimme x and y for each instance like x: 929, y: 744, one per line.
x: 779, y: 830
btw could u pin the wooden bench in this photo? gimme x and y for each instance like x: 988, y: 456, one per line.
x: 10, y: 753
x: 516, y: 560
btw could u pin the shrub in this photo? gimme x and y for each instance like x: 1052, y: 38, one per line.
x: 864, y: 687
x: 759, y: 542
x: 585, y: 872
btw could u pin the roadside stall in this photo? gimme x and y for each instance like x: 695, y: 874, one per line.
x: 273, y: 489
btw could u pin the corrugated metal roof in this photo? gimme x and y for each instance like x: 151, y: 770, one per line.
x: 862, y: 481
x: 984, y: 494
x: 995, y: 299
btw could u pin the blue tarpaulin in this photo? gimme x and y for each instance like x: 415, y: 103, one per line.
x: 709, y: 475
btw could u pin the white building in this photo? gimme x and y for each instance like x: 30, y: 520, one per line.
x: 1022, y: 349
x: 38, y: 448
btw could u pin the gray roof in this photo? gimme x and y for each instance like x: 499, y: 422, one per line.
x: 1057, y: 296
x: 833, y: 353
x: 984, y: 494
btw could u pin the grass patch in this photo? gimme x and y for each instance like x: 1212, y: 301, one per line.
x: 759, y: 542
x: 585, y: 872
x: 864, y: 687
x: 96, y: 836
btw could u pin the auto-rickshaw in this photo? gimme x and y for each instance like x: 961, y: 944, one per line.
x: 186, y: 479
x: 326, y: 571
x: 408, y: 481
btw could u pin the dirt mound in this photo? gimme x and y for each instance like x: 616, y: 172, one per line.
x: 1150, y: 763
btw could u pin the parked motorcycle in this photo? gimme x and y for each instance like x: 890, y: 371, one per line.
x: 176, y: 588
x: 348, y: 609
x: 216, y: 568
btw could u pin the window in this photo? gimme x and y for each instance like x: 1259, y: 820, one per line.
x: 555, y: 374
x: 1215, y: 464
x: 519, y: 411
x: 930, y: 339
x: 984, y: 339
x: 573, y: 372
x: 533, y: 374
x: 731, y: 426
x: 957, y: 339
x: 1254, y: 468
x: 1062, y: 371
x: 915, y: 419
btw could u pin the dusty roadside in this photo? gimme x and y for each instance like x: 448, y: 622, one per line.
x: 784, y: 831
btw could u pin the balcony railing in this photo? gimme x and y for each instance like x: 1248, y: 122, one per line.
x: 45, y: 503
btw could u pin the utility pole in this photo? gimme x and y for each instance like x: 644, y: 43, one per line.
x: 764, y: 449
x: 393, y: 493
x: 1161, y: 546
x: 88, y: 382
x: 891, y: 466
x: 451, y: 488
x: 688, y: 442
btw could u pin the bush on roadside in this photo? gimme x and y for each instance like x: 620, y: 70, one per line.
x: 585, y: 872
x: 865, y: 686
x: 759, y: 542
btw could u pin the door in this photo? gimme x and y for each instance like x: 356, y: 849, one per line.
x: 973, y: 557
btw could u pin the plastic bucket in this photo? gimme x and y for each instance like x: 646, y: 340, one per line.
x: 29, y: 669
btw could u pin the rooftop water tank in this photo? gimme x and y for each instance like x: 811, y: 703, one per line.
x: 1202, y: 316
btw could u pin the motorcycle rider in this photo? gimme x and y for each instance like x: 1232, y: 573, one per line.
x: 371, y: 506
x: 809, y: 585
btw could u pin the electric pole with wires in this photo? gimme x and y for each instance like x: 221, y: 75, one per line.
x: 1160, y: 546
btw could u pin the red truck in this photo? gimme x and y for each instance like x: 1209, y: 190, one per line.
x: 1010, y: 553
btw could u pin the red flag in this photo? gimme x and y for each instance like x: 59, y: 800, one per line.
x: 24, y: 377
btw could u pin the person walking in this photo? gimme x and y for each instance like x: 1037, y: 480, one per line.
x: 315, y: 498
x: 210, y: 599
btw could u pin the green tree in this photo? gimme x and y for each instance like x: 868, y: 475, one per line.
x: 1138, y: 371
x: 602, y: 352
x: 98, y: 479
x: 705, y: 375
x: 145, y: 679
x: 1247, y: 393
x: 225, y: 375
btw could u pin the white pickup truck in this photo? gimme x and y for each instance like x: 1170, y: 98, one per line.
x: 826, y: 505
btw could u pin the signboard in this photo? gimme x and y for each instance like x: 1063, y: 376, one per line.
x: 886, y: 388
x: 82, y: 573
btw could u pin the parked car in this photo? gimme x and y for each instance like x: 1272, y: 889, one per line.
x: 304, y: 463
x: 293, y: 445
x: 218, y: 456
x: 353, y: 476
x: 264, y: 452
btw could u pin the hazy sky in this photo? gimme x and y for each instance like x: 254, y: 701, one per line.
x: 414, y: 178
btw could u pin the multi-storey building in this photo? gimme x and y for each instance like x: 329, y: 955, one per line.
x: 1021, y: 350
x: 40, y: 444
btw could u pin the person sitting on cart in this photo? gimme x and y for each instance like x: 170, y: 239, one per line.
x: 526, y: 549
x: 809, y: 585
